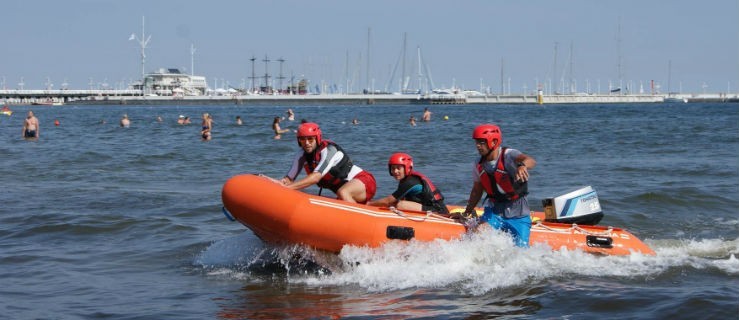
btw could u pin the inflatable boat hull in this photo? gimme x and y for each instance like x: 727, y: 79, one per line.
x: 279, y: 215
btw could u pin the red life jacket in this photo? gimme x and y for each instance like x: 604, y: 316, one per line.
x: 336, y: 176
x: 511, y: 189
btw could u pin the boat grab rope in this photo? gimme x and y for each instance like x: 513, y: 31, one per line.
x: 575, y: 227
x: 402, y: 214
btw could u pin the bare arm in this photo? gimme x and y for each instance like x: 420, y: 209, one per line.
x: 384, y: 202
x: 308, y: 181
x: 475, y: 196
x: 526, y: 162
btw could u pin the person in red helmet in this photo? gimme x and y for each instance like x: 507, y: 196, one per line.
x: 327, y: 165
x: 502, y: 174
x: 415, y: 191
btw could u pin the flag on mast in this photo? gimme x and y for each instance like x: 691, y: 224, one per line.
x: 132, y: 37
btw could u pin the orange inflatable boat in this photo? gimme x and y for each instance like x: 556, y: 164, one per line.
x: 279, y: 215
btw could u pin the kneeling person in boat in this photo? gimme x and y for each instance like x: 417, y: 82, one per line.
x: 502, y: 173
x: 327, y: 165
x: 415, y: 191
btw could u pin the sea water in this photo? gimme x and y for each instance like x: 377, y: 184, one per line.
x: 99, y: 221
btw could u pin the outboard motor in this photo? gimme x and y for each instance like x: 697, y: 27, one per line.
x: 580, y: 206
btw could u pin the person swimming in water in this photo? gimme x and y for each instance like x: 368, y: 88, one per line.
x: 30, y: 127
x: 276, y: 127
x: 125, y: 122
x: 207, y: 126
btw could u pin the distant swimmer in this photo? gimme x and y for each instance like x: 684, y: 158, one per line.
x: 238, y: 121
x: 276, y: 127
x: 125, y: 122
x: 30, y: 127
x: 181, y: 120
x: 426, y: 115
x: 207, y: 126
x: 355, y: 121
x: 412, y: 121
x: 290, y: 114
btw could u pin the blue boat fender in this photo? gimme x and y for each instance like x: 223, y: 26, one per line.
x: 227, y: 214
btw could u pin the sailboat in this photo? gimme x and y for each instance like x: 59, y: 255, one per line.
x: 669, y: 98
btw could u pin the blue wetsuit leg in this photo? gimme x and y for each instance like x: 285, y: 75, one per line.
x: 519, y: 228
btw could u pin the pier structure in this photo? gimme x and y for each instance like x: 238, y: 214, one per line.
x: 135, y: 97
x: 60, y: 96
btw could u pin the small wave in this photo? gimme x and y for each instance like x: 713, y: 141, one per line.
x: 699, y: 254
x: 245, y: 256
x: 477, y: 264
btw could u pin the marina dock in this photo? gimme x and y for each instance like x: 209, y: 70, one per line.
x: 134, y: 97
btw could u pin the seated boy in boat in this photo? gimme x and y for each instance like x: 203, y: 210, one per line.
x: 327, y: 165
x: 415, y: 191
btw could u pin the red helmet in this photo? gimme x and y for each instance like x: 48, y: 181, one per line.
x: 403, y: 159
x: 310, y: 129
x: 489, y: 132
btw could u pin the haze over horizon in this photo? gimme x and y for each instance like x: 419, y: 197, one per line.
x: 478, y: 45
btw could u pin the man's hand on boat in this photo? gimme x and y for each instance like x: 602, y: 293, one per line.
x: 283, y: 181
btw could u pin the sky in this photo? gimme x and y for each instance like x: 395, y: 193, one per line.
x: 502, y: 46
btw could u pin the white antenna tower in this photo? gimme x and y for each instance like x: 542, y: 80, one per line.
x: 143, y: 41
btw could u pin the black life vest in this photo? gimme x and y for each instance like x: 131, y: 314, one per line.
x: 336, y: 176
x: 430, y: 195
x: 493, y: 183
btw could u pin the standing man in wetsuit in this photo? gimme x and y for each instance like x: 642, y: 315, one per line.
x: 415, y: 191
x: 30, y: 127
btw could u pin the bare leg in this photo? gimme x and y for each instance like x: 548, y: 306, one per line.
x: 352, y: 191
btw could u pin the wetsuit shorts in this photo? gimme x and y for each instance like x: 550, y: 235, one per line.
x: 30, y: 133
x: 519, y: 227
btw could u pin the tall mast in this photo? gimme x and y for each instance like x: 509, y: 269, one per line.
x: 280, y: 77
x: 403, y: 85
x: 420, y: 74
x: 618, y: 51
x: 192, y: 59
x: 556, y: 86
x: 266, y: 73
x: 367, y: 83
x: 346, y: 73
x: 669, y: 77
x: 253, y: 77
x: 572, y: 78
x: 502, y: 76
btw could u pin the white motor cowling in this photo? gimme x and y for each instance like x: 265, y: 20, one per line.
x: 580, y: 206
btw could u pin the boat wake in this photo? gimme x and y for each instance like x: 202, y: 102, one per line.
x: 476, y: 264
